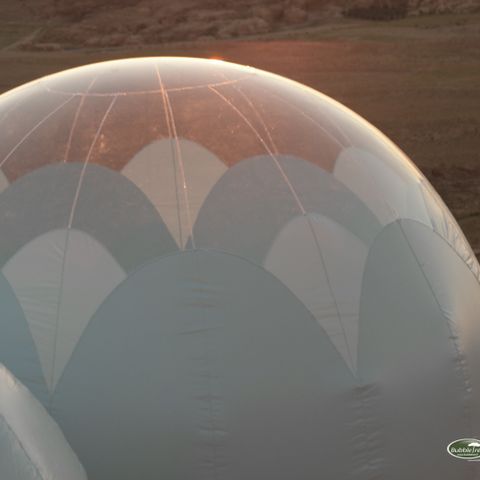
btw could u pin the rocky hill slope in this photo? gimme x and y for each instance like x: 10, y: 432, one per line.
x: 110, y: 23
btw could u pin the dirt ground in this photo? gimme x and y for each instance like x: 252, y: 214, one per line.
x: 416, y: 79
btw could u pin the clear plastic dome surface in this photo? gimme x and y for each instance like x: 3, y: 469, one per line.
x: 211, y: 271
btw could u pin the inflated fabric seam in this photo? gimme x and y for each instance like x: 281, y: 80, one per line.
x: 34, y: 128
x: 477, y: 279
x: 475, y: 268
x: 87, y: 160
x: 274, y: 152
x: 211, y: 408
x: 315, y: 122
x: 332, y: 294
x: 178, y: 154
x: 174, y: 165
x: 460, y: 359
x: 21, y: 445
x: 57, y: 316
x: 262, y: 141
x: 75, y: 119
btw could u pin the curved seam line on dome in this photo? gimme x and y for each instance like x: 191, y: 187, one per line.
x: 126, y: 275
x: 274, y: 147
x: 262, y: 121
x: 429, y: 227
x: 316, y: 123
x: 34, y: 128
x: 271, y: 154
x: 306, y: 115
x: 331, y: 101
x: 145, y: 92
x: 72, y: 128
x: 87, y: 160
x: 22, y: 446
x: 321, y: 127
x: 454, y: 336
x: 178, y: 150
x: 75, y: 120
x: 339, y: 316
x: 172, y: 150
x: 312, y: 231
x: 179, y: 156
x: 69, y: 226
x: 257, y: 114
x: 59, y: 300
x: 57, y: 315
x: 423, y: 225
x: 437, y: 199
x: 207, y: 85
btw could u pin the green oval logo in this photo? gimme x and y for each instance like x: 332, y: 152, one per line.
x: 465, y: 448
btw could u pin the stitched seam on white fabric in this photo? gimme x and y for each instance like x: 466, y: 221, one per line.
x: 453, y: 335
x: 34, y: 128
x: 267, y: 148
x: 179, y: 156
x: 21, y: 445
x: 172, y: 148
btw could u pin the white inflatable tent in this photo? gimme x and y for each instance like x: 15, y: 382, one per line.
x: 209, y: 271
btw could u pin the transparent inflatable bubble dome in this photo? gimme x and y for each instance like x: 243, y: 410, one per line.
x: 213, y: 272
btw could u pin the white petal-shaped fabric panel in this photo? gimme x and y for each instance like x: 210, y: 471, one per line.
x: 169, y: 179
x: 234, y: 372
x: 389, y: 193
x: 32, y: 447
x: 322, y: 263
x: 3, y: 181
x: 60, y: 279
